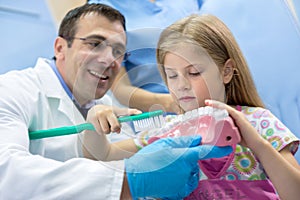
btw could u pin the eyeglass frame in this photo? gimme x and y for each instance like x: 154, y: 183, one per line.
x: 102, y: 44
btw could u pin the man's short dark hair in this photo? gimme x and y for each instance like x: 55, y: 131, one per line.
x: 68, y: 26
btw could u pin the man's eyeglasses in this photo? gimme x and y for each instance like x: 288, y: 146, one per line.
x: 98, y: 45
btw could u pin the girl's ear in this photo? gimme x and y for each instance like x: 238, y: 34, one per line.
x: 228, y: 71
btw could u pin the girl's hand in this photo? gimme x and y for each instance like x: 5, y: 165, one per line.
x: 250, y: 137
x: 104, y: 117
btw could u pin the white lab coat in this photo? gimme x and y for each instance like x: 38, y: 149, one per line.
x: 47, y: 168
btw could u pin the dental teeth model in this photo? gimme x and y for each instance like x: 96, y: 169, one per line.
x: 214, y: 125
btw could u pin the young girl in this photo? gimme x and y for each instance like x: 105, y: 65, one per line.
x: 203, y: 66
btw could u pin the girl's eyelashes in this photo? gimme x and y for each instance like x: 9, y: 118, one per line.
x: 170, y: 73
x: 171, y: 76
x: 195, y: 74
x: 191, y: 70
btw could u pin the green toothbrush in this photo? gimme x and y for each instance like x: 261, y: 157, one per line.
x: 141, y: 121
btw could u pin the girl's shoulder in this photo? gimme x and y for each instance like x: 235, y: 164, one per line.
x: 255, y: 112
x: 270, y: 127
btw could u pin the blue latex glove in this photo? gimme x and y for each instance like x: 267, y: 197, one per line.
x: 168, y: 168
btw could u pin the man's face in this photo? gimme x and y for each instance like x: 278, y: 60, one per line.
x: 91, y: 64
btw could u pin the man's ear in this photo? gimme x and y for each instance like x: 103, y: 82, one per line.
x: 228, y: 71
x: 59, y: 47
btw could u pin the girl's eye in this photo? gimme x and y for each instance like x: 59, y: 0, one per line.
x: 172, y: 76
x: 195, y: 73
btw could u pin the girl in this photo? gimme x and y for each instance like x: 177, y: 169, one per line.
x: 203, y: 66
x: 201, y: 60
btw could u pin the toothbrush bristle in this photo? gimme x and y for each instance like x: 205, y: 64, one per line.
x: 149, y: 123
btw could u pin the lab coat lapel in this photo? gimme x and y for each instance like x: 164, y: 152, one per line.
x: 55, y: 92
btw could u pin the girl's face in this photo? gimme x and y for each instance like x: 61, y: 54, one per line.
x: 192, y: 77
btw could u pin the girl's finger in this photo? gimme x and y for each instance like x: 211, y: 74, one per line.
x: 217, y: 104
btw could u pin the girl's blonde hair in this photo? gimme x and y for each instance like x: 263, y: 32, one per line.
x: 213, y: 35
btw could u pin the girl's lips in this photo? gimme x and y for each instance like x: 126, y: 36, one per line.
x: 186, y: 98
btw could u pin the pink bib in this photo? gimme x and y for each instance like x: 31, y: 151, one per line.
x: 216, y: 188
x: 236, y: 189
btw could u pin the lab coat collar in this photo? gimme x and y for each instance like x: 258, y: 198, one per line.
x: 54, y: 90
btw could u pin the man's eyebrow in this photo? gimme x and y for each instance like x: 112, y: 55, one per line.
x: 99, y: 37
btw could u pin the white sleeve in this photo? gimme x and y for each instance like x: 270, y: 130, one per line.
x: 26, y: 176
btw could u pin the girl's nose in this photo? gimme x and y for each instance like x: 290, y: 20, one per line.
x: 183, y: 83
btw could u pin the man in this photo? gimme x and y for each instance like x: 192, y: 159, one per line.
x: 88, y: 54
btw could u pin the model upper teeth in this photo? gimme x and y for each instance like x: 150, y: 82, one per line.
x: 97, y: 74
x: 218, y: 114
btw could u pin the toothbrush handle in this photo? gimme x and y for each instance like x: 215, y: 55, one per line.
x: 66, y: 130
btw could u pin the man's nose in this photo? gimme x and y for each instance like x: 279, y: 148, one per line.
x: 106, y: 56
x: 108, y: 52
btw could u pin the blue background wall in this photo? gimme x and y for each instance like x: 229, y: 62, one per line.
x: 27, y: 31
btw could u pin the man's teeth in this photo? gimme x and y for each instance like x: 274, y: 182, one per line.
x: 101, y: 76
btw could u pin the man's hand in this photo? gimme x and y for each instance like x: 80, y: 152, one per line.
x: 104, y: 117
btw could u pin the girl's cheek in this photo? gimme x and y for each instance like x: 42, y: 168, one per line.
x: 174, y: 96
x: 172, y: 86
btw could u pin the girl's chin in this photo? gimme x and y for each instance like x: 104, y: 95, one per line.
x: 189, y: 108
